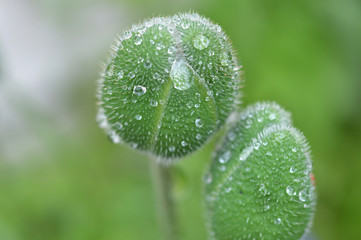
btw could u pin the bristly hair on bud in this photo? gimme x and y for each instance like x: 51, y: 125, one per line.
x: 169, y: 84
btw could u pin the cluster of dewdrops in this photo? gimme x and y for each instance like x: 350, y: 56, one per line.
x: 180, y: 72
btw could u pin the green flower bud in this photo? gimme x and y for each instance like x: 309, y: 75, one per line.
x: 259, y: 183
x: 170, y: 83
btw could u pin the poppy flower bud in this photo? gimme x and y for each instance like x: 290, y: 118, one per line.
x: 169, y: 84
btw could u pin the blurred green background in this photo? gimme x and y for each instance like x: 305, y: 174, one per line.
x: 60, y: 177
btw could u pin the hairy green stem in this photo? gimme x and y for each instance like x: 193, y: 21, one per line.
x: 163, y: 184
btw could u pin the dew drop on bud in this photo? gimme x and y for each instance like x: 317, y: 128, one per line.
x: 278, y: 221
x: 138, y: 41
x: 139, y: 90
x: 224, y: 59
x: 200, y: 42
x: 199, y: 122
x: 181, y: 75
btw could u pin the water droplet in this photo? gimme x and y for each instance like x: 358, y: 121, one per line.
x: 248, y: 169
x: 171, y: 149
x: 231, y: 136
x: 114, y: 137
x: 225, y: 157
x: 139, y: 90
x: 184, y: 143
x: 140, y: 60
x: 181, y: 75
x: 147, y: 64
x: 189, y: 104
x: 127, y: 35
x: 198, y: 136
x: 245, y: 153
x: 294, y: 149
x: 118, y: 125
x: 159, y: 46
x: 171, y: 50
x: 272, y: 116
x: 292, y: 169
x: 185, y: 25
x: 138, y: 117
x: 120, y: 74
x: 208, y: 179
x: 153, y: 103
x: 262, y: 188
x: 224, y: 59
x: 289, y: 190
x: 131, y: 75
x: 228, y: 190
x: 200, y: 42
x: 266, y: 207
x: 138, y: 41
x: 156, y: 76
x: 278, y: 221
x: 210, y: 53
x: 256, y: 145
x: 302, y: 195
x: 199, y: 122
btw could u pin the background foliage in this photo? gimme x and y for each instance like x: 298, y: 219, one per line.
x: 60, y: 178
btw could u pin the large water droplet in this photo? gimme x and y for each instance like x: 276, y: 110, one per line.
x: 200, y: 42
x: 139, y: 90
x: 181, y: 75
x: 138, y: 117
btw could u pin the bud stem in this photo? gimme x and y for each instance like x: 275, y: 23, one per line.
x: 163, y: 183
